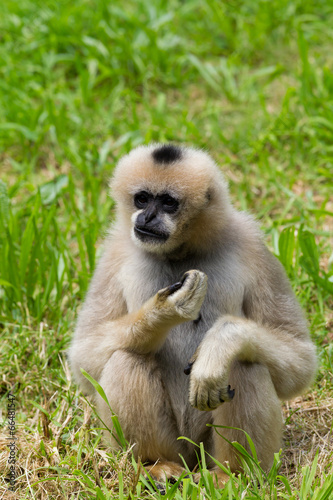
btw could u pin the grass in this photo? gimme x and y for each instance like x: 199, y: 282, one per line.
x: 83, y: 82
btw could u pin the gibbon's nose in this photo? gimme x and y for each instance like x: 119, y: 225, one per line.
x: 151, y: 212
x: 148, y: 215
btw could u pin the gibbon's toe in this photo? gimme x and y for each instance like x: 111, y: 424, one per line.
x: 207, y: 397
x: 227, y: 394
x: 162, y: 470
x: 220, y: 478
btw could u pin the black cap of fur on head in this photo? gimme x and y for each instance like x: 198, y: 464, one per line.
x: 168, y: 153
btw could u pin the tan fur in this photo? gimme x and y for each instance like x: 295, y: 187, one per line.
x: 135, y: 334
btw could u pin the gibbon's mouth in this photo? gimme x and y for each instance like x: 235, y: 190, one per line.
x: 144, y: 234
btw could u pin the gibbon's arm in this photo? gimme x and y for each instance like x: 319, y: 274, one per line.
x: 273, y: 333
x: 104, y: 325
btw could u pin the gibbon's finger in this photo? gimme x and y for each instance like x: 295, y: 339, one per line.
x: 188, y: 368
x: 173, y: 288
x: 185, y: 276
x: 231, y: 392
x: 199, y: 318
x: 169, y: 290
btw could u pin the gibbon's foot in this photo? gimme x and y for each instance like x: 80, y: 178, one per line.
x: 220, y: 478
x: 188, y: 368
x: 227, y: 395
x: 171, y: 471
x: 207, y: 395
x: 160, y: 471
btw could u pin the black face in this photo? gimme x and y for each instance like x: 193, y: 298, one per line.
x: 149, y: 224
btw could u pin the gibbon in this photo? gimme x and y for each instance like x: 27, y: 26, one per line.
x: 185, y: 284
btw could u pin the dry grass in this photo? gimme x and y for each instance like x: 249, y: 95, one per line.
x: 48, y: 468
x: 308, y: 431
x: 44, y: 468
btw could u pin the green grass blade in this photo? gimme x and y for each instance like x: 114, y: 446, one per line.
x: 114, y: 417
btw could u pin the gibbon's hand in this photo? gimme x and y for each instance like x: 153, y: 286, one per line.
x: 209, y: 379
x: 184, y: 299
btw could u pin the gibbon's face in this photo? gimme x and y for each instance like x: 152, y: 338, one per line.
x: 155, y: 212
x: 165, y: 194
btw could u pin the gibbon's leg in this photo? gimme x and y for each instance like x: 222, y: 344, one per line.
x: 252, y: 367
x: 135, y: 391
x: 256, y: 409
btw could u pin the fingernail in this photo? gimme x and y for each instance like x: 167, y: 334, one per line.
x: 199, y: 318
x: 231, y: 392
x: 173, y: 288
x: 188, y: 369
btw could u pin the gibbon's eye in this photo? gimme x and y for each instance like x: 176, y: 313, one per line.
x: 170, y: 204
x: 141, y: 199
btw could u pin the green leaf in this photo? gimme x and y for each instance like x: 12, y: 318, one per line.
x: 309, y: 260
x: 122, y: 441
x: 25, y: 131
x: 4, y: 204
x: 308, y: 477
x: 206, y: 72
x: 50, y: 191
x: 26, y: 245
x: 286, y: 247
x: 6, y: 283
x: 310, y: 252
